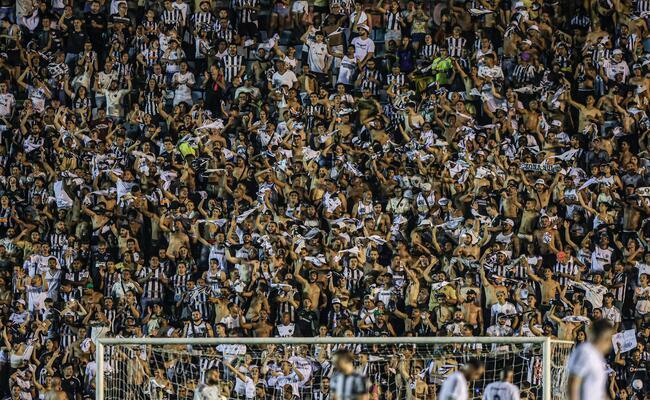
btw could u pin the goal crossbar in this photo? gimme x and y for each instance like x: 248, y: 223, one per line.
x: 545, y: 343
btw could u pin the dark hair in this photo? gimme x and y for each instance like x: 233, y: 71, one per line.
x: 599, y: 328
x: 473, y: 363
x: 506, y: 371
x: 344, y: 355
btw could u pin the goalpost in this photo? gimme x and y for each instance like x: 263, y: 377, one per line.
x: 398, y: 368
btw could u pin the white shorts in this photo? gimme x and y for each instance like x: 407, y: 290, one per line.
x: 395, y: 35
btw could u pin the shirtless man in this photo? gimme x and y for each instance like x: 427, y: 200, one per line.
x: 510, y: 202
x: 471, y: 311
x: 490, y: 289
x: 588, y: 113
x: 467, y: 249
x: 547, y: 238
x: 176, y: 236
x: 262, y: 327
x: 310, y: 288
x: 631, y: 210
x: 99, y: 220
x: 550, y: 287
x: 528, y: 219
x: 539, y: 191
x: 565, y: 330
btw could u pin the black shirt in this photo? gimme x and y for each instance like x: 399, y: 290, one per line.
x: 76, y: 40
x: 71, y: 386
x: 95, y: 33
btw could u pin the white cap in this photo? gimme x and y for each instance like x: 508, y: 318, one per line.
x: 556, y: 122
x: 520, y: 4
x: 617, y: 51
x: 533, y: 28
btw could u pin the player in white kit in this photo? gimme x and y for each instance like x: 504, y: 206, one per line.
x: 503, y: 389
x: 455, y: 387
x: 587, y: 367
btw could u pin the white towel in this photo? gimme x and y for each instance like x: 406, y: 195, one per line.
x: 63, y: 201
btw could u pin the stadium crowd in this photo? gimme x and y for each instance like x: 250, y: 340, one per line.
x: 311, y: 168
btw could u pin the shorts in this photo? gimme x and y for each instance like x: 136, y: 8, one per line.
x: 418, y: 37
x: 13, y: 57
x: 281, y: 10
x: 248, y: 29
x: 644, y: 318
x: 395, y: 35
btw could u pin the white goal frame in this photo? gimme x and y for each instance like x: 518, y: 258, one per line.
x: 545, y: 342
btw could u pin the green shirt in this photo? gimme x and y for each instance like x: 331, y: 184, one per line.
x: 440, y: 68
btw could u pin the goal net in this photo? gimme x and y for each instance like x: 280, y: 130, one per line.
x: 397, y: 368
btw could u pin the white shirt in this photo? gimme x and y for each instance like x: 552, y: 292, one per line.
x: 246, y: 387
x: 612, y: 68
x: 286, y: 330
x: 505, y: 308
x: 230, y: 351
x: 593, y: 293
x: 288, y: 78
x: 317, y: 56
x: 362, y: 47
x: 454, y: 387
x: 601, y: 257
x: 494, y: 72
x: 501, y: 391
x: 279, y: 381
x: 38, y: 97
x: 642, y: 306
x: 183, y: 91
x: 7, y: 103
x: 347, y: 69
x: 613, y: 315
x: 588, y: 364
x: 643, y: 269
x: 303, y: 365
x: 113, y: 100
x: 363, y: 19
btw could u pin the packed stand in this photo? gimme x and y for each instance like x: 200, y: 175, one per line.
x: 257, y: 169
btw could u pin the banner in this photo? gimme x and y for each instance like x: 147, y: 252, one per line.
x: 540, y: 167
x: 626, y: 339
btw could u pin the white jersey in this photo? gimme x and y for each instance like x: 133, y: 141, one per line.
x: 454, y: 388
x: 7, y: 103
x: 304, y: 366
x: 501, y: 391
x: 317, y: 56
x: 588, y: 364
x: 363, y: 47
x: 347, y: 70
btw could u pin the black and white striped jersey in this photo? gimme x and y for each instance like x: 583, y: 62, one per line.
x: 349, y: 387
x: 231, y: 66
x: 456, y: 46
